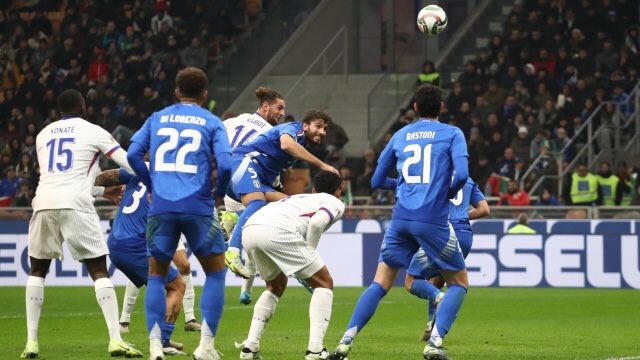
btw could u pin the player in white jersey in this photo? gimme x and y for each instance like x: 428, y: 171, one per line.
x: 240, y: 130
x: 281, y: 240
x: 64, y: 212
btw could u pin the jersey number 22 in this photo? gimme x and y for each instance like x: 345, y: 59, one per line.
x: 179, y: 165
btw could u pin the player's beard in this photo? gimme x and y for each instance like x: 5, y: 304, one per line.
x: 315, y: 137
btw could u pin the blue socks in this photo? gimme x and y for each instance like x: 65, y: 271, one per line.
x: 252, y: 207
x: 449, y: 308
x: 155, y: 305
x: 424, y: 289
x: 365, y: 308
x: 212, y: 299
x: 167, y: 330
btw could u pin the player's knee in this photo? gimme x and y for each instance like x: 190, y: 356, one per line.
x: 408, y: 281
x: 184, y: 267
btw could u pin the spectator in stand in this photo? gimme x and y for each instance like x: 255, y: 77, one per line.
x: 520, y: 169
x: 548, y: 116
x: 560, y: 142
x: 383, y: 142
x: 160, y: 18
x: 25, y: 166
x: 546, y: 198
x: 495, y: 95
x: 469, y: 76
x: 522, y: 143
x: 582, y: 189
x: 540, y: 139
x: 628, y: 180
x: 335, y: 140
x: 10, y: 184
x: 514, y: 196
x: 476, y: 144
x: 520, y: 93
x: 98, y: 68
x: 194, y: 55
x: 10, y: 72
x: 409, y: 117
x: 29, y: 146
x: 363, y: 181
x: 509, y: 109
x: 506, y: 164
x: 481, y: 171
x: 22, y: 197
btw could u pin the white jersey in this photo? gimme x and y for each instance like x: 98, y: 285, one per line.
x: 294, y: 212
x: 245, y: 128
x: 67, y: 152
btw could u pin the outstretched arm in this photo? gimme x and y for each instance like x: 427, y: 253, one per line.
x: 296, y: 150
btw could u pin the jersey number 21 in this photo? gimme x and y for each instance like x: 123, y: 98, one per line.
x: 419, y: 154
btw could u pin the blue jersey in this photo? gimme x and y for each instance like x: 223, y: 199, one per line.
x: 423, y: 154
x: 129, y: 225
x: 181, y: 140
x: 269, y: 155
x: 459, y: 208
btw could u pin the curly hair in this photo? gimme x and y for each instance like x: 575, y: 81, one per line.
x: 317, y: 115
x: 191, y: 82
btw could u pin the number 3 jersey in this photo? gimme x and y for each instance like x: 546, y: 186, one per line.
x: 181, y: 140
x: 67, y: 151
x: 423, y: 153
x: 131, y: 219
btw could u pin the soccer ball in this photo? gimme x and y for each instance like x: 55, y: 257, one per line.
x: 432, y: 20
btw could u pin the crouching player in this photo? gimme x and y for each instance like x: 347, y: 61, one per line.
x: 127, y: 244
x: 281, y: 240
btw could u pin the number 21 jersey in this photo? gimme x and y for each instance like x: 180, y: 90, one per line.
x: 67, y: 151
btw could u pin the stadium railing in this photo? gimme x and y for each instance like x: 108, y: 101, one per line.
x: 383, y: 212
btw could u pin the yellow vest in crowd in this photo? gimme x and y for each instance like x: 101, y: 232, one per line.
x: 521, y: 229
x: 609, y: 186
x: 584, y: 189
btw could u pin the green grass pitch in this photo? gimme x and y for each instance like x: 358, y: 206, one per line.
x: 493, y: 324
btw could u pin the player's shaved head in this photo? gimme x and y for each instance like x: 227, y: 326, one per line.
x: 428, y: 101
x: 326, y: 182
x: 71, y: 102
x: 191, y: 83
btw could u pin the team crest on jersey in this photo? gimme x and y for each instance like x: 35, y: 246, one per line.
x: 256, y: 183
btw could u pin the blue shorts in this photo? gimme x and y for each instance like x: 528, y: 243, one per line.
x: 403, y: 238
x: 422, y: 267
x: 247, y: 177
x: 202, y: 232
x: 135, y: 266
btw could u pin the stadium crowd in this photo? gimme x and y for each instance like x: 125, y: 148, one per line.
x: 530, y: 90
x: 123, y: 56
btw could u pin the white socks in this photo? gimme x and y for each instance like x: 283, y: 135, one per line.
x: 106, y: 296
x: 130, y: 297
x: 262, y: 312
x: 207, y: 340
x: 247, y: 284
x: 34, y: 299
x: 319, y: 316
x: 189, y: 298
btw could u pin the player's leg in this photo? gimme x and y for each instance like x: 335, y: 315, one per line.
x: 129, y: 301
x: 247, y: 285
x: 175, y: 289
x: 396, y: 252
x: 422, y: 268
x: 135, y: 266
x: 182, y: 263
x: 254, y: 237
x: 319, y: 307
x: 85, y: 241
x: 163, y: 235
x: 45, y: 243
x: 205, y: 239
x: 253, y: 201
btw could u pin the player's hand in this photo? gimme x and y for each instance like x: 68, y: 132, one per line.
x: 114, y: 193
x: 219, y: 200
x: 326, y: 167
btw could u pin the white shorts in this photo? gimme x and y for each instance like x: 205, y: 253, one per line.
x: 231, y: 205
x: 273, y: 250
x: 48, y: 229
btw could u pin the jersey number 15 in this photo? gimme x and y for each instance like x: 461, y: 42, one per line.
x: 419, y: 155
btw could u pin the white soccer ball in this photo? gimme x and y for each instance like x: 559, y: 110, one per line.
x: 432, y: 20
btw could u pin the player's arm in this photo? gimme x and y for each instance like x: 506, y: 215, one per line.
x: 386, y: 162
x: 222, y: 151
x: 479, y: 203
x: 460, y: 159
x: 291, y: 147
x: 107, y: 145
x: 140, y: 143
x: 322, y: 220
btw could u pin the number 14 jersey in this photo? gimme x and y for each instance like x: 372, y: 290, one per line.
x: 67, y: 151
x: 244, y: 128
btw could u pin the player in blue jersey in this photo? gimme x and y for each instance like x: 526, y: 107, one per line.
x: 181, y: 139
x: 256, y: 165
x: 128, y: 248
x: 432, y: 163
x: 423, y: 279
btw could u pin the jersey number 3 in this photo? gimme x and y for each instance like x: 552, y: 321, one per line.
x: 419, y: 155
x: 178, y: 165
x: 137, y: 195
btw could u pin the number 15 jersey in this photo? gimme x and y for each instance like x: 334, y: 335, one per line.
x: 67, y: 151
x: 423, y: 153
x: 182, y: 139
